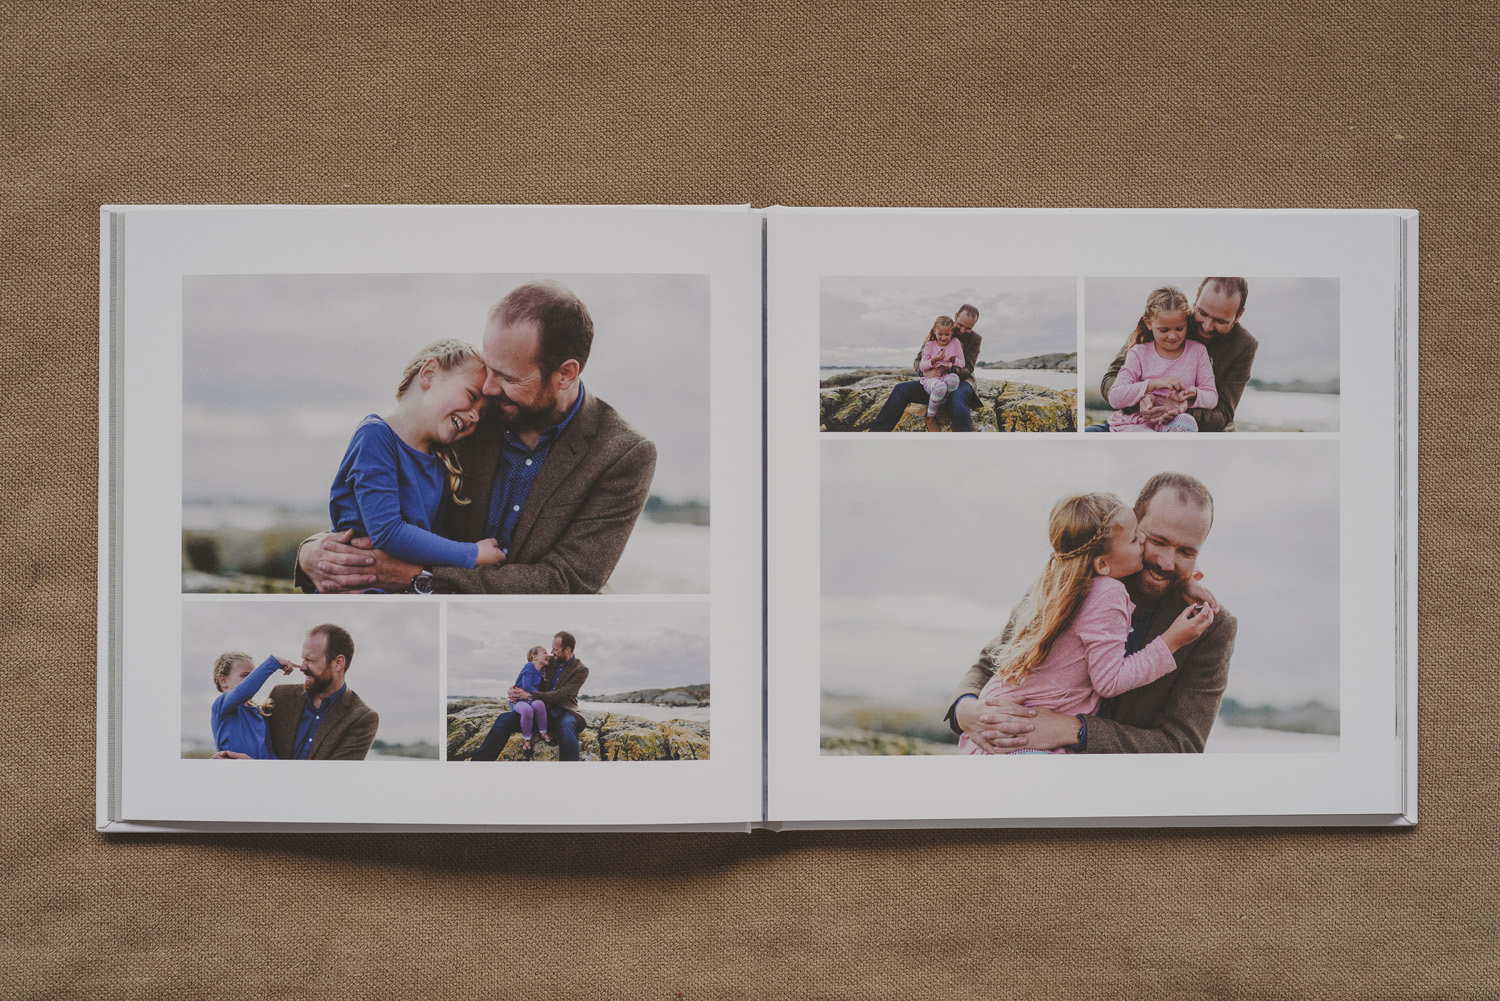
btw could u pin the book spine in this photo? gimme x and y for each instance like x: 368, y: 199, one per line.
x: 111, y: 376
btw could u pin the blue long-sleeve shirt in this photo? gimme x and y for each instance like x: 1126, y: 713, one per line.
x: 240, y: 727
x: 530, y: 678
x: 391, y: 492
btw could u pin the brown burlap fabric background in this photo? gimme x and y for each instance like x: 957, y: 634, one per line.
x: 1195, y: 105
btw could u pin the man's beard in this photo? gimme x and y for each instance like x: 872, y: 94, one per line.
x: 526, y: 418
x: 1150, y: 587
x: 315, y: 686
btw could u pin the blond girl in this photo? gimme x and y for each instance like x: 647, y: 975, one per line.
x: 239, y: 725
x: 394, y: 473
x: 1165, y: 363
x: 942, y: 357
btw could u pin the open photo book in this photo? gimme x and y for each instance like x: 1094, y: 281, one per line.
x: 716, y: 518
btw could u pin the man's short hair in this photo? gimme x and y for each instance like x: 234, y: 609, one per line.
x: 339, y: 642
x: 967, y: 308
x: 1190, y: 490
x: 566, y: 330
x: 1228, y: 286
x: 567, y: 641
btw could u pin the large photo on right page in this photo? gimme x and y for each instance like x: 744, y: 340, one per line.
x: 1182, y: 602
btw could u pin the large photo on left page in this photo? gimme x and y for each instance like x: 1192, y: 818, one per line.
x: 416, y: 490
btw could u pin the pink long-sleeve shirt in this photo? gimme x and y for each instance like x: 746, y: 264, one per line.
x: 1142, y: 363
x: 934, y: 354
x: 1087, y: 661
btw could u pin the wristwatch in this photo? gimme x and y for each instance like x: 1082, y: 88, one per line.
x: 1083, y: 736
x: 422, y: 582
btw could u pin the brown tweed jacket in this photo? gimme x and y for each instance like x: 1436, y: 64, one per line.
x: 577, y: 517
x: 345, y: 734
x: 1231, y: 354
x: 1173, y: 713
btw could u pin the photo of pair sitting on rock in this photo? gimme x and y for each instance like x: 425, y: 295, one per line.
x: 947, y: 386
x: 544, y: 702
x: 541, y: 718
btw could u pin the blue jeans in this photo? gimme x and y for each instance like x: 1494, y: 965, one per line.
x: 1097, y: 427
x: 563, y: 725
x: 964, y: 399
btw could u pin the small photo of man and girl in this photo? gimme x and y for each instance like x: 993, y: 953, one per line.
x: 948, y: 354
x: 278, y: 680
x: 1188, y: 363
x: 571, y: 681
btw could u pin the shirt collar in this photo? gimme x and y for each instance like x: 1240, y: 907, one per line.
x: 328, y: 700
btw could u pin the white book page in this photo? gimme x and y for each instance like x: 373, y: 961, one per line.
x: 894, y: 559
x: 254, y: 339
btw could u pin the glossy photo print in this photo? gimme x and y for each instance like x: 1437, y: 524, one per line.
x: 1181, y: 598
x: 947, y: 354
x: 1178, y: 354
x: 496, y: 434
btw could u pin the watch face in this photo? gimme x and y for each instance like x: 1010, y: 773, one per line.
x: 422, y: 583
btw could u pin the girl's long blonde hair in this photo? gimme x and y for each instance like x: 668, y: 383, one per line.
x: 1167, y: 299
x: 531, y: 654
x: 449, y: 353
x: 1081, y: 529
x: 222, y: 667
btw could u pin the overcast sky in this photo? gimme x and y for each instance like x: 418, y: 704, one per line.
x: 278, y: 369
x: 882, y: 322
x: 625, y: 646
x: 1295, y: 320
x: 395, y: 666
x: 903, y: 621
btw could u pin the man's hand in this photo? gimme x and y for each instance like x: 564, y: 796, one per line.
x: 1151, y: 407
x: 340, y: 563
x: 1159, y: 411
x: 517, y: 694
x: 1000, y: 723
x: 226, y: 755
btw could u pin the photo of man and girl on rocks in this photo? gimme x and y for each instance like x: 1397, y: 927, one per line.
x: 516, y: 696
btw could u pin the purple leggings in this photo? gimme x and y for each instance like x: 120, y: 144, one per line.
x: 535, y: 709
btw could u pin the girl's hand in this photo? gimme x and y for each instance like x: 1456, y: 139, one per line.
x: 490, y: 553
x: 1188, y: 394
x: 1189, y: 626
x: 1197, y: 594
x: 1170, y: 382
x: 286, y: 666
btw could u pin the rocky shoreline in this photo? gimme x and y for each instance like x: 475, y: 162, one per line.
x: 685, y: 695
x: 609, y: 736
x: 850, y: 401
